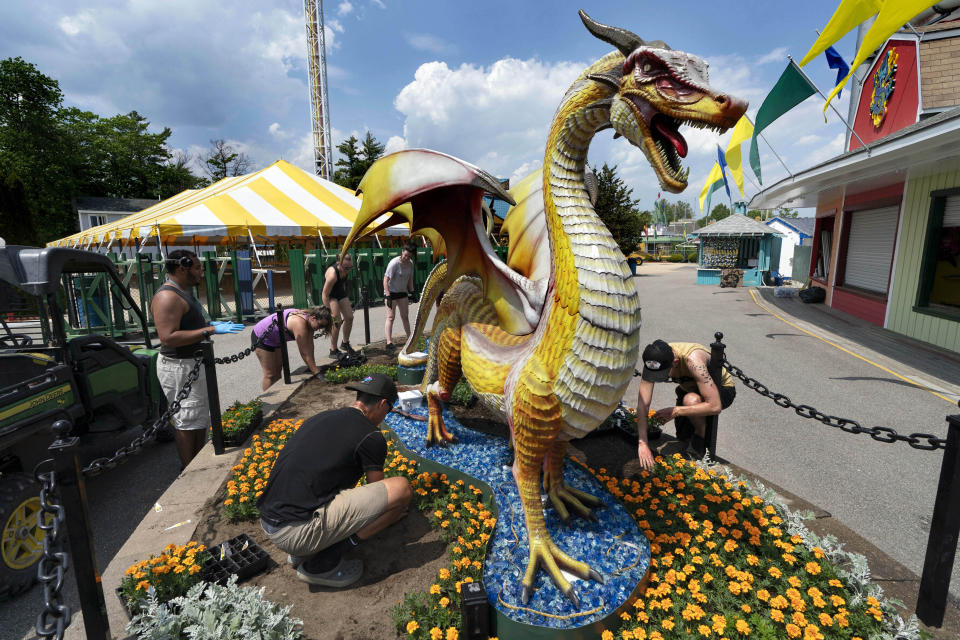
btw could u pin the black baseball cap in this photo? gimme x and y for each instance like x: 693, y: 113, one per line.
x: 657, y: 361
x: 376, y: 384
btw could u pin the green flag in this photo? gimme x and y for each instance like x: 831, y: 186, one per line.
x: 791, y: 89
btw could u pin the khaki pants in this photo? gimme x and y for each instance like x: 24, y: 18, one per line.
x: 194, y: 409
x: 349, y: 512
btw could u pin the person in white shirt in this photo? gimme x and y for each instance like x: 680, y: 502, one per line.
x: 397, y: 287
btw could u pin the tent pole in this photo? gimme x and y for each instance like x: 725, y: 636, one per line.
x: 322, y: 243
x: 379, y: 244
x: 253, y: 245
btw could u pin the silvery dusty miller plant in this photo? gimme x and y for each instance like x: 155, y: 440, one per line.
x: 213, y: 612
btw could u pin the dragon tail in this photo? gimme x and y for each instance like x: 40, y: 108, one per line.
x: 432, y: 292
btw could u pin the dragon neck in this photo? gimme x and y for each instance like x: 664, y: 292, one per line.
x: 585, y: 110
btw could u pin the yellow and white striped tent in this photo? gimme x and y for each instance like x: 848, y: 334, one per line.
x: 280, y: 201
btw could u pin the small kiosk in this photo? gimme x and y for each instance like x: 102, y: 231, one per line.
x: 737, y: 242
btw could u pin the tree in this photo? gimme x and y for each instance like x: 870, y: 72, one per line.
x: 719, y: 212
x: 617, y: 209
x: 356, y: 159
x: 223, y: 161
x: 786, y: 212
x: 16, y: 226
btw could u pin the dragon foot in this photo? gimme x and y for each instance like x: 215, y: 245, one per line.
x: 436, y: 431
x: 566, y: 499
x: 544, y: 552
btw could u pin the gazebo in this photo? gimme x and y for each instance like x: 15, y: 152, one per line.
x: 737, y: 242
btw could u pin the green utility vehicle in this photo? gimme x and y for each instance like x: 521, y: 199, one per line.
x: 54, y: 366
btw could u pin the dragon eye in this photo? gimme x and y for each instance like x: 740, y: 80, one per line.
x: 647, y: 66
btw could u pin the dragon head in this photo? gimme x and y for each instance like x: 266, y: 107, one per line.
x: 657, y: 90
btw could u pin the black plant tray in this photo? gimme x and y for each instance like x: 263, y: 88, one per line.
x: 238, y: 439
x: 242, y: 562
x: 124, y: 604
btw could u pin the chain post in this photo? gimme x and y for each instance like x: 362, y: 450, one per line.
x: 82, y: 550
x: 944, y: 532
x: 715, y: 368
x: 282, y: 337
x: 213, y: 396
x: 365, y: 294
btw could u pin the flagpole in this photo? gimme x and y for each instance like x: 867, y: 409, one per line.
x: 776, y: 154
x: 842, y: 119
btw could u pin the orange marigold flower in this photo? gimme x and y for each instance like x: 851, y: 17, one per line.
x: 776, y: 615
x: 452, y: 633
x: 436, y: 633
x: 812, y: 568
x: 412, y: 626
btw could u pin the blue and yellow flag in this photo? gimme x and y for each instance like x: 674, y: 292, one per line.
x: 848, y: 15
x: 714, y: 181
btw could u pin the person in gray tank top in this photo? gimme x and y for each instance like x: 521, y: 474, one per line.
x: 181, y: 326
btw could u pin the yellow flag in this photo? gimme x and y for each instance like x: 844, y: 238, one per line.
x: 893, y: 15
x: 741, y: 133
x: 714, y: 182
x: 848, y: 15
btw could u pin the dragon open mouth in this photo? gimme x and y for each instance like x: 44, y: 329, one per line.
x: 672, y: 146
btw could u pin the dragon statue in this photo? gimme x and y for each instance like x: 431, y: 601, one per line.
x: 548, y: 339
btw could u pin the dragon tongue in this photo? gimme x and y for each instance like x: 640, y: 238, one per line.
x: 667, y: 128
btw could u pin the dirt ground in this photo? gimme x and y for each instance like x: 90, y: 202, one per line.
x: 402, y: 559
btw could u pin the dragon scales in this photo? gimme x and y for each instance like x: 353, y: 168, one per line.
x: 549, y: 338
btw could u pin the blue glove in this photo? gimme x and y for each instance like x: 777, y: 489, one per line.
x: 220, y: 327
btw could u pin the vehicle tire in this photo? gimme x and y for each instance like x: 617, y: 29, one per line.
x: 21, y: 544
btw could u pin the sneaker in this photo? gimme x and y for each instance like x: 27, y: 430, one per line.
x: 349, y: 349
x: 343, y: 575
x: 335, y: 353
x: 390, y: 347
x: 296, y: 561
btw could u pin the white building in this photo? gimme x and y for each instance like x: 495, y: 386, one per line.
x: 794, y: 232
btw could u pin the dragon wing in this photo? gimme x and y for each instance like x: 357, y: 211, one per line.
x: 438, y: 193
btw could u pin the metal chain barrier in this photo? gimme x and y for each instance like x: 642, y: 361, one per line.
x: 55, y: 617
x: 924, y: 441
x: 98, y: 465
x: 246, y: 352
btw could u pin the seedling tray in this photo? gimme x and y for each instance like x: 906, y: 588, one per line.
x: 239, y: 556
x: 238, y: 439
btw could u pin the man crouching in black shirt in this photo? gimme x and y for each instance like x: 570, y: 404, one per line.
x: 311, y: 507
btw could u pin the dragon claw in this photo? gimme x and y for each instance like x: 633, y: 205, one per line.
x: 572, y: 596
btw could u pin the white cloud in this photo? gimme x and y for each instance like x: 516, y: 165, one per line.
x: 344, y: 8
x: 809, y: 139
x: 496, y: 117
x: 429, y: 43
x: 777, y: 55
x: 394, y: 143
x: 73, y: 25
x: 277, y: 131
x: 379, y: 3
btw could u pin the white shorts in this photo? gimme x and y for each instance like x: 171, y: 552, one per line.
x: 194, y: 409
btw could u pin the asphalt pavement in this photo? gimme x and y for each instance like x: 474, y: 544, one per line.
x: 884, y: 492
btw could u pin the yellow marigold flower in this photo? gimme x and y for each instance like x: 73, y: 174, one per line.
x: 143, y: 585
x: 444, y: 573
x: 745, y: 608
x: 452, y: 633
x: 704, y: 630
x: 776, y: 615
x: 742, y: 627
x: 719, y: 624
x: 826, y: 620
x: 812, y: 568
x: 773, y: 571
x: 139, y: 575
x: 412, y: 626
x: 794, y: 581
x: 833, y: 582
x: 837, y: 601
x: 436, y: 633
x: 667, y: 624
x: 606, y: 635
x: 444, y: 601
x: 179, y: 568
x: 195, y: 569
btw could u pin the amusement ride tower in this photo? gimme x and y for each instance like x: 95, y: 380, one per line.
x: 319, y: 103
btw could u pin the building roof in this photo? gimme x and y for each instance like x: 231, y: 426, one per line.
x: 736, y: 225
x: 803, y: 226
x: 923, y: 146
x: 113, y: 205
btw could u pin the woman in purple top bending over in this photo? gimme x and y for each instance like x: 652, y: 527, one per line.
x: 299, y: 325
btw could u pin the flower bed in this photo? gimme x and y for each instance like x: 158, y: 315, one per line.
x: 728, y: 561
x: 239, y: 420
x: 166, y: 576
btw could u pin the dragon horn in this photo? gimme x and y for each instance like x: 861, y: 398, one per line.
x: 622, y: 39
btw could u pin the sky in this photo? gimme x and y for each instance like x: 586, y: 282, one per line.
x: 477, y: 80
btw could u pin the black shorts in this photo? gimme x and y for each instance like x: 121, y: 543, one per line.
x: 254, y: 345
x: 727, y: 395
x: 399, y: 296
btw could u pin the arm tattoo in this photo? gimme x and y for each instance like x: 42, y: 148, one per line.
x: 704, y: 375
